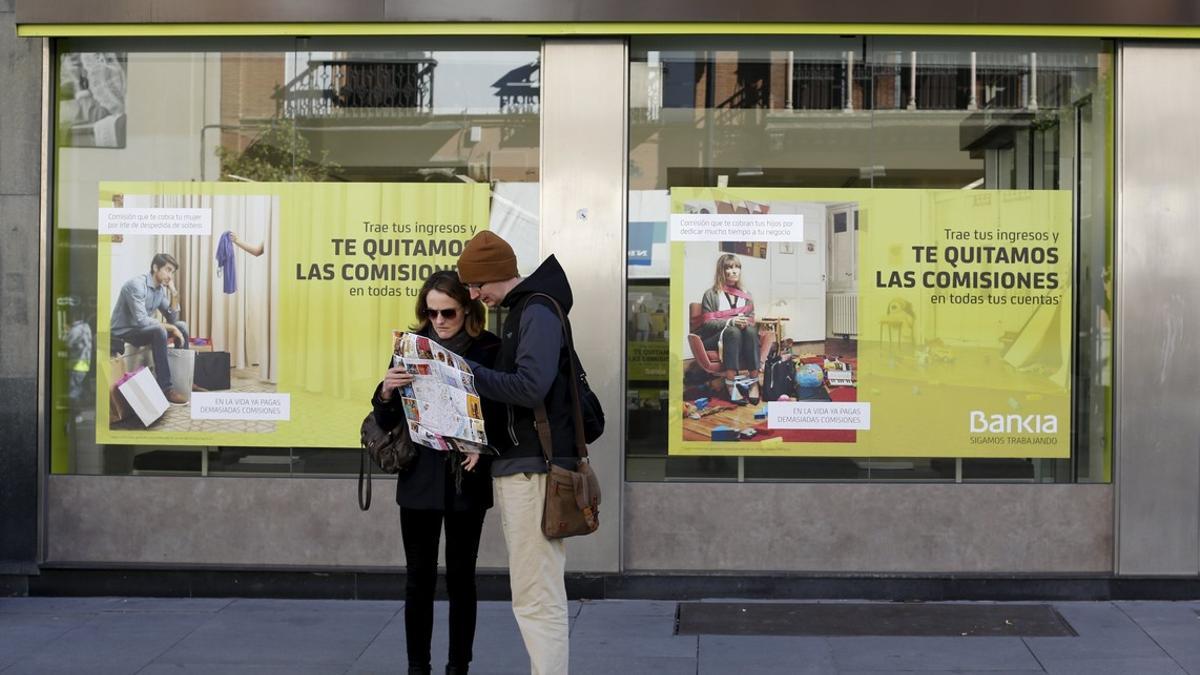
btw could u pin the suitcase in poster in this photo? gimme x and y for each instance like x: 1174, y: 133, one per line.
x: 211, y: 371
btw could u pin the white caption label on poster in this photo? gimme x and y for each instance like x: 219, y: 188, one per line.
x: 800, y: 415
x: 214, y: 405
x: 155, y: 221
x: 737, y: 227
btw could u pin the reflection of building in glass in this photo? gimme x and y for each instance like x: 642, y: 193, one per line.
x: 828, y: 116
x: 518, y: 89
x: 91, y: 92
x: 338, y: 87
x: 391, y: 116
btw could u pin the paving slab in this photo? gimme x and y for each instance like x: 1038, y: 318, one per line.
x: 498, y: 647
x: 759, y: 654
x: 1101, y: 618
x: 152, y: 636
x: 630, y: 618
x: 932, y: 653
x: 967, y: 671
x: 23, y: 635
x: 189, y: 605
x: 234, y: 669
x: 862, y: 619
x: 1174, y: 627
x: 321, y: 606
x: 1104, y: 632
x: 599, y: 645
x: 1162, y: 665
x: 109, y: 643
x: 278, y: 632
x: 55, y: 605
x: 632, y: 665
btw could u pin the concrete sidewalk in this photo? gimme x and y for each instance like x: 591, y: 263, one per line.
x: 154, y: 636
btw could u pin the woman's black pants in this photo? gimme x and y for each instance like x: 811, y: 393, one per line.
x: 421, y: 530
x: 739, y: 348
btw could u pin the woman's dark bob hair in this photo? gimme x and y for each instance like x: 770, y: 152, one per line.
x: 446, y: 281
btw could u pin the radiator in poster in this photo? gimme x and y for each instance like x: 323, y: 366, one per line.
x: 870, y: 323
x: 263, y: 312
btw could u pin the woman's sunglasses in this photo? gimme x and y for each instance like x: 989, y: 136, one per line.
x: 446, y: 313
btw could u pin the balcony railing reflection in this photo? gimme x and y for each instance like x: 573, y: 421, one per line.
x: 888, y: 80
x: 935, y: 81
x: 341, y: 88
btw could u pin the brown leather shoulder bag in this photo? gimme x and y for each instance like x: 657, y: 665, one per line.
x: 572, y: 505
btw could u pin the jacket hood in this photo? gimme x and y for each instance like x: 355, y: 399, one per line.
x: 548, y: 278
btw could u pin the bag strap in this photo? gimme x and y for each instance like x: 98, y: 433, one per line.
x: 542, y: 420
x: 364, y: 467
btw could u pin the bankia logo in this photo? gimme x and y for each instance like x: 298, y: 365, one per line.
x: 985, y: 423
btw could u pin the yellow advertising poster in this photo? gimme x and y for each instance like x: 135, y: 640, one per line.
x: 870, y: 323
x: 261, y: 314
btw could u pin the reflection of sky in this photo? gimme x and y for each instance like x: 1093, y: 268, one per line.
x: 462, y: 82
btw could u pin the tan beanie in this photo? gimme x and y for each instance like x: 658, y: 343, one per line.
x: 485, y: 258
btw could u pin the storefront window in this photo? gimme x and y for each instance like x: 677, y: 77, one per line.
x: 278, y: 177
x: 841, y: 157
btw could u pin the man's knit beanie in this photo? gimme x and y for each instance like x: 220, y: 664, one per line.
x: 485, y: 258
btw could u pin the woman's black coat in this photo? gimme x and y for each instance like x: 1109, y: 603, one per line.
x: 428, y: 483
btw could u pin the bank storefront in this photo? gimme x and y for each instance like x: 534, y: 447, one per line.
x: 930, y: 227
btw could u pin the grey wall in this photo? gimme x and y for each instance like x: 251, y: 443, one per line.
x: 1157, y: 320
x: 239, y: 522
x: 20, y: 172
x: 314, y: 522
x: 887, y: 528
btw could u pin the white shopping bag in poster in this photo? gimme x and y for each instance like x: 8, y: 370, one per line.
x: 144, y: 397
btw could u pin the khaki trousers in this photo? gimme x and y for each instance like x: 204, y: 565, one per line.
x: 536, y: 568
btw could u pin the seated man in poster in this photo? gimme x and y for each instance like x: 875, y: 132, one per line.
x: 133, y: 320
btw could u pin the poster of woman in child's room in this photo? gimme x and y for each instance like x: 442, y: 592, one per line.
x: 768, y: 321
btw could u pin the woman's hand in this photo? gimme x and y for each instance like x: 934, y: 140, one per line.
x: 741, y: 321
x: 470, y: 460
x: 394, y: 379
x: 253, y: 249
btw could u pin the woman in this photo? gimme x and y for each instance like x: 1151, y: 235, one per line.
x: 726, y: 324
x: 450, y: 487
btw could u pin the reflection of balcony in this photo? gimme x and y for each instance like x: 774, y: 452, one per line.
x: 888, y: 80
x: 933, y: 81
x: 349, y: 88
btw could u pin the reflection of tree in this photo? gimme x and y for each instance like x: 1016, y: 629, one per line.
x: 278, y: 154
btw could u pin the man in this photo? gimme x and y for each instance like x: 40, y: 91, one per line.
x: 132, y: 322
x: 79, y: 354
x: 532, y: 368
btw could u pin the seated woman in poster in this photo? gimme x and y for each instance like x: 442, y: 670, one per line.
x: 442, y: 487
x: 727, y: 325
